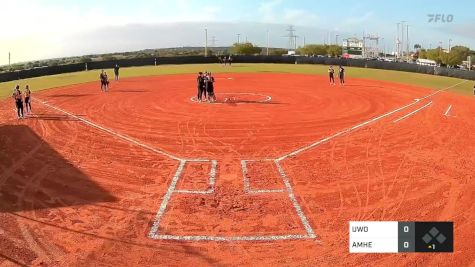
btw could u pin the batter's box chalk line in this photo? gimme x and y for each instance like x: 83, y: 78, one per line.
x: 211, y: 181
x: 234, y: 98
x: 247, y: 183
x: 155, y: 230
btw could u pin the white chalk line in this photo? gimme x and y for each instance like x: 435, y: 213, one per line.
x: 171, y: 189
x: 448, y: 110
x: 166, y: 199
x: 348, y: 130
x: 231, y: 238
x: 294, y: 201
x: 412, y: 113
x: 247, y: 183
x: 112, y: 132
x: 266, y: 100
x: 211, y: 182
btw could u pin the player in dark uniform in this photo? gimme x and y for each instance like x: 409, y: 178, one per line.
x: 103, y: 81
x: 18, y: 97
x: 210, y: 88
x: 341, y: 75
x: 106, y: 81
x: 200, y: 82
x: 27, y: 99
x: 331, y: 73
x: 203, y: 90
x: 116, y: 72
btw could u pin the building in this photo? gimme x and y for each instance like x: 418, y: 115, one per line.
x: 426, y: 62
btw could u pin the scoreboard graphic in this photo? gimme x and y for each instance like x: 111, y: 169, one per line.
x: 400, y: 237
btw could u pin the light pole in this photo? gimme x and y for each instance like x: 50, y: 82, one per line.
x: 450, y: 40
x: 239, y: 36
x: 402, y: 38
x: 9, y: 62
x: 206, y: 42
x: 397, y: 40
x: 336, y: 39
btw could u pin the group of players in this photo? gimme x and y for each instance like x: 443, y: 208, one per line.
x: 341, y: 75
x: 205, y: 83
x: 105, y: 79
x: 225, y: 60
x: 21, y: 98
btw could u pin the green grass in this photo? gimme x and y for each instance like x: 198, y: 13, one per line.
x: 424, y: 80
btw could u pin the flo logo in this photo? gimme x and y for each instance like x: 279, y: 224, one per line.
x: 440, y: 18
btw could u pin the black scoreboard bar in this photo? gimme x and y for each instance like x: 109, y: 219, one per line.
x: 400, y: 237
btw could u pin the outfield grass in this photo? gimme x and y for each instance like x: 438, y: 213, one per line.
x: 430, y: 81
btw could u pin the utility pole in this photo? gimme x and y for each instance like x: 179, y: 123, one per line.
x: 398, y: 43
x: 9, y: 62
x: 402, y: 38
x: 407, y: 41
x: 336, y: 39
x: 239, y: 36
x: 206, y: 42
x: 267, y: 50
x: 450, y: 40
x: 304, y: 43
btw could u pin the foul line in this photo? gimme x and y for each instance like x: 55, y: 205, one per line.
x: 326, y: 139
x: 121, y: 136
x: 412, y: 113
x: 448, y: 110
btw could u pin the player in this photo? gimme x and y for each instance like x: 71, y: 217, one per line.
x: 106, y: 82
x: 200, y: 82
x: 230, y: 60
x: 28, y: 99
x: 205, y: 82
x: 331, y: 73
x: 103, y: 82
x: 116, y: 72
x: 18, y: 97
x: 210, y: 88
x: 341, y: 75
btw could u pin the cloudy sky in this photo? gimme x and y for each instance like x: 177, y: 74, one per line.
x: 39, y: 29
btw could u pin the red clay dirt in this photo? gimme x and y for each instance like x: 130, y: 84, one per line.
x: 74, y: 195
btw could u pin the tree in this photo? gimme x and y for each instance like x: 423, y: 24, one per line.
x: 245, y: 49
x: 85, y: 59
x: 334, y: 50
x: 312, y: 49
x: 417, y: 46
x: 277, y: 52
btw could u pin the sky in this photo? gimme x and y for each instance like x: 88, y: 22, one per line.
x: 41, y: 29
